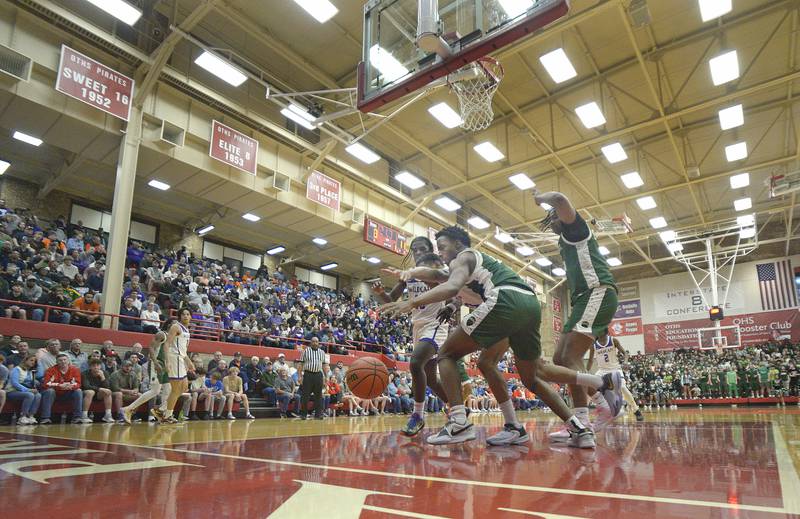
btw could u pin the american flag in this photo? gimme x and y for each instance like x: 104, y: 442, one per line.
x: 776, y: 284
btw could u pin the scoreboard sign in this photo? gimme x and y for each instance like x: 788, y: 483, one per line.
x: 86, y: 80
x: 233, y: 148
x: 384, y: 236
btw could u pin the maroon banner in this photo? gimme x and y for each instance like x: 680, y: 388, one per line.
x: 385, y: 236
x: 95, y: 84
x: 557, y: 324
x: 233, y: 148
x: 755, y: 328
x: 323, y: 190
x: 622, y: 327
x: 557, y: 306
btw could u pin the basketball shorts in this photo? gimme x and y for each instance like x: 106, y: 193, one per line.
x: 508, y: 312
x: 592, y: 312
x: 433, y: 332
x: 176, y: 367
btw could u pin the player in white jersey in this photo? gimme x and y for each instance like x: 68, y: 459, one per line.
x: 157, y: 379
x: 606, y: 351
x: 428, y: 332
x: 177, y: 362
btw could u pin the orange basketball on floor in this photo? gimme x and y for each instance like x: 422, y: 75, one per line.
x: 367, y: 377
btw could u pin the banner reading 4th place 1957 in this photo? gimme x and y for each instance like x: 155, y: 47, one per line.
x: 95, y: 84
x: 233, y: 148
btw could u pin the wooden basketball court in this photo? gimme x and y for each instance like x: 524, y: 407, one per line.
x: 700, y: 463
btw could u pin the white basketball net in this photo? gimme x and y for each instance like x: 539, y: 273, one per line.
x: 475, y: 93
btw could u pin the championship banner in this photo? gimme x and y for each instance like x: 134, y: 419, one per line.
x: 557, y: 324
x: 323, y: 190
x: 628, y: 290
x: 233, y: 148
x: 557, y: 306
x: 95, y: 84
x: 623, y: 327
x: 755, y: 328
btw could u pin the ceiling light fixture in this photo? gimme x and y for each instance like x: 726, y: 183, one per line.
x: 724, y: 68
x: 488, y: 151
x: 251, y: 217
x: 374, y: 260
x: 743, y: 204
x: 710, y: 9
x: 658, y: 222
x: 276, y: 250
x: 445, y: 115
x: 731, y: 117
x: 119, y: 9
x: 558, y: 271
x: 646, y: 203
x: 329, y: 266
x: 524, y: 250
x: 447, y: 203
x: 30, y: 139
x: 502, y: 236
x: 590, y: 115
x: 158, y: 185
x: 746, y: 220
x: 478, y: 222
x: 739, y: 181
x: 602, y: 249
x: 522, y: 181
x: 614, y: 262
x: 300, y: 116
x: 320, y: 241
x: 205, y: 230
x: 558, y: 65
x: 362, y: 153
x: 386, y: 63
x: 221, y: 68
x: 410, y: 181
x: 543, y: 262
x: 736, y: 151
x: 668, y: 236
x: 4, y: 166
x: 321, y: 10
x: 632, y: 180
x: 545, y: 206
x: 675, y: 247
x: 747, y: 232
x: 614, y: 152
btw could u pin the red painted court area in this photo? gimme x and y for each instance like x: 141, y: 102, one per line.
x: 681, y: 469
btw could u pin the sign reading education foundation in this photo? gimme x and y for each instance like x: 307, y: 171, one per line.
x: 233, y: 148
x: 384, y: 236
x: 323, y: 190
x: 755, y: 328
x: 95, y: 84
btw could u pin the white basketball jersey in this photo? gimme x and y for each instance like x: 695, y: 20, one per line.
x: 181, y: 345
x: 606, y: 355
x: 423, y: 314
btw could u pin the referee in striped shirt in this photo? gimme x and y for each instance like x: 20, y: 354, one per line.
x: 312, y: 361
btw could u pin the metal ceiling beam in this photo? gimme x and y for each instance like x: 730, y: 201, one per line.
x: 708, y: 30
x: 703, y: 105
x: 148, y: 73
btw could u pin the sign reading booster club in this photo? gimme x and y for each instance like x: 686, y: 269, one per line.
x: 233, y: 148
x: 93, y: 83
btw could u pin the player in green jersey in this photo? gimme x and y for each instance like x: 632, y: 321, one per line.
x: 507, y: 314
x: 593, y: 296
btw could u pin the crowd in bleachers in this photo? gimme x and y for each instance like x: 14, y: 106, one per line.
x: 62, y: 265
x: 766, y: 370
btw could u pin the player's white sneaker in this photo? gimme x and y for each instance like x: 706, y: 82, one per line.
x: 453, y: 433
x: 510, y: 435
x: 604, y: 417
x: 582, y: 439
x: 563, y: 435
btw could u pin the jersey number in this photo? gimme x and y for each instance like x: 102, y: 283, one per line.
x: 606, y: 356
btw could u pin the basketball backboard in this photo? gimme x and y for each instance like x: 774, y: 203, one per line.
x: 454, y: 32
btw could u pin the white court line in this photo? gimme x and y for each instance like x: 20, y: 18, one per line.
x: 541, y: 514
x: 507, y: 486
x: 790, y: 482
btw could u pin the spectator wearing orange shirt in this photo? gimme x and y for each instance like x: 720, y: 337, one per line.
x: 86, y: 311
x: 63, y: 382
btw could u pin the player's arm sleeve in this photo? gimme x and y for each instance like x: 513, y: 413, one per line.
x: 577, y: 231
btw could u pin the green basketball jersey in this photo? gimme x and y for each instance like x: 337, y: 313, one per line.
x: 488, y: 274
x: 586, y: 267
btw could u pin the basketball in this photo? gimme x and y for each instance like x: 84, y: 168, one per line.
x: 367, y: 377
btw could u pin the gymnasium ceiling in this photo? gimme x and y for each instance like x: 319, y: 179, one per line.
x: 651, y: 81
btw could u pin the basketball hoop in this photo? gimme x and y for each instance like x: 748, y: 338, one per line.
x: 475, y: 92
